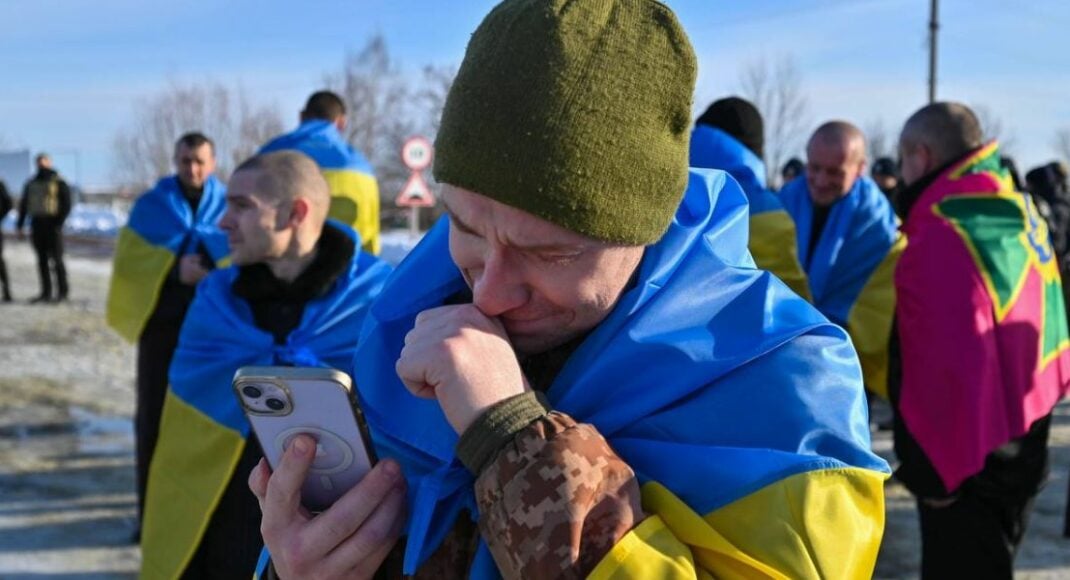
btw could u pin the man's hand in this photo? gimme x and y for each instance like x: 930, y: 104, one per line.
x: 349, y: 540
x: 190, y: 270
x: 463, y: 358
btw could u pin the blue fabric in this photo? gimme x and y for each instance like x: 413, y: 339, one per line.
x: 163, y: 217
x: 709, y: 376
x: 321, y: 141
x: 860, y: 230
x: 219, y: 336
x: 712, y: 148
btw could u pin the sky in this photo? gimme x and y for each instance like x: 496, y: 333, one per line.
x: 71, y: 71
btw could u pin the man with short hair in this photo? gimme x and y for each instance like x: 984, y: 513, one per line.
x: 169, y: 244
x: 580, y: 371
x: 984, y: 346
x: 792, y: 169
x: 5, y: 206
x: 297, y: 296
x: 848, y: 241
x: 46, y: 200
x: 730, y: 136
x: 354, y: 189
x: 886, y: 175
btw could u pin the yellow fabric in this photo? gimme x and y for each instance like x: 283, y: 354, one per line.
x: 184, y: 488
x: 355, y: 202
x: 870, y: 320
x: 772, y: 243
x: 818, y: 524
x: 138, y: 272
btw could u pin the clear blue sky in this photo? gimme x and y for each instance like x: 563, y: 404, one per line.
x: 70, y: 70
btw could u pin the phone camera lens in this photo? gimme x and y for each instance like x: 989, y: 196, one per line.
x: 275, y: 404
x: 251, y: 392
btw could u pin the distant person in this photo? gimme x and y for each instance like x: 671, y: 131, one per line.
x: 730, y: 136
x: 792, y: 169
x: 297, y: 296
x: 886, y: 175
x: 170, y: 243
x: 354, y: 189
x: 5, y: 206
x: 983, y: 343
x: 848, y: 242
x: 1048, y: 184
x: 46, y: 201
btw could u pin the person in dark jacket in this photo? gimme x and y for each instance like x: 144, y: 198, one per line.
x: 46, y: 200
x: 5, y: 206
x: 886, y: 174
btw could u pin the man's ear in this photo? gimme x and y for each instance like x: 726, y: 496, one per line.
x: 299, y: 210
x: 341, y: 123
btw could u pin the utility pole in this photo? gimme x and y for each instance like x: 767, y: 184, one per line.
x: 934, y: 26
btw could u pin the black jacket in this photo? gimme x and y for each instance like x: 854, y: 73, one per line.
x: 46, y: 175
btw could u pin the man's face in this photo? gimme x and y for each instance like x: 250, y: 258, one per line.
x: 256, y: 225
x: 546, y: 284
x: 194, y: 165
x: 913, y: 162
x: 832, y: 168
x: 885, y: 182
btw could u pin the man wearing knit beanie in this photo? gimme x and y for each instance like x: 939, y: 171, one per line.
x: 729, y: 136
x: 580, y: 371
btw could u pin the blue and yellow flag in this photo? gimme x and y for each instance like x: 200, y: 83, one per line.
x: 738, y: 405
x: 203, y: 431
x: 772, y: 233
x: 851, y: 269
x: 354, y: 190
x: 162, y: 228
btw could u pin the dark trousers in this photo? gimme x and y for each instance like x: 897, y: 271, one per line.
x: 48, y: 244
x: 232, y: 542
x: 5, y: 284
x: 975, y: 537
x: 155, y: 349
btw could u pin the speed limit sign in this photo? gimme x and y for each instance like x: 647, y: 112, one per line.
x: 416, y: 154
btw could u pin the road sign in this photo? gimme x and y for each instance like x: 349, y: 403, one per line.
x: 416, y: 153
x: 416, y: 193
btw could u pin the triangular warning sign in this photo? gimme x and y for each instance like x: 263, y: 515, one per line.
x: 416, y: 193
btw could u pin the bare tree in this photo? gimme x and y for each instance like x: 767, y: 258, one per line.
x: 1062, y: 144
x: 878, y: 142
x: 144, y: 148
x: 994, y: 130
x: 379, y: 110
x: 437, y: 81
x: 776, y: 89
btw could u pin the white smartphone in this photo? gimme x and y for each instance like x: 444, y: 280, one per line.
x: 284, y: 402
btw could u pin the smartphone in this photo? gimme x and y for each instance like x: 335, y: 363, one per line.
x: 284, y: 402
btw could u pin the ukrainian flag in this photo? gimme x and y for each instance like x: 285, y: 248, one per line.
x: 852, y: 267
x: 203, y: 431
x: 162, y: 228
x: 354, y: 190
x: 772, y: 233
x: 738, y: 405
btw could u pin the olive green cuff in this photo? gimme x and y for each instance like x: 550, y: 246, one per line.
x: 496, y: 427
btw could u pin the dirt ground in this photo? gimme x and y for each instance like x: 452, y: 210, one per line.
x: 67, y: 505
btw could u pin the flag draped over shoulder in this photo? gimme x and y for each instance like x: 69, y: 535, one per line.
x: 772, y: 233
x: 851, y: 269
x: 981, y: 317
x: 203, y: 430
x: 737, y: 404
x: 161, y: 229
x: 354, y: 190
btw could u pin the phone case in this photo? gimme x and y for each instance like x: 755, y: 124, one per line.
x: 319, y: 402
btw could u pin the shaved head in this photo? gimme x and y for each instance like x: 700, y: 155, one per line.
x: 937, y: 135
x: 835, y: 160
x: 284, y: 176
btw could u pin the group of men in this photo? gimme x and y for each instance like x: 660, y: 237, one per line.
x: 45, y: 203
x: 620, y: 354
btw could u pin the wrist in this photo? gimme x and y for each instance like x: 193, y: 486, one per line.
x: 497, y: 426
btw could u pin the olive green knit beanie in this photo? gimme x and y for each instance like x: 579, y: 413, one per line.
x: 576, y: 111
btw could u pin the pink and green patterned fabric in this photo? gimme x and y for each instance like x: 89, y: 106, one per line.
x: 982, y: 322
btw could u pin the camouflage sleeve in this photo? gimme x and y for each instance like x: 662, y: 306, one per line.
x: 555, y: 500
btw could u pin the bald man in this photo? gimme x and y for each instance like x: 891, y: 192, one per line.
x: 848, y: 241
x: 982, y: 336
x: 296, y: 296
